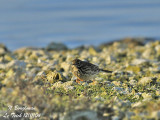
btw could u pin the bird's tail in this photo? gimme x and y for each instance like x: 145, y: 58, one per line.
x: 107, y: 71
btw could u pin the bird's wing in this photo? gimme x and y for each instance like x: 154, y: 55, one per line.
x: 89, y: 68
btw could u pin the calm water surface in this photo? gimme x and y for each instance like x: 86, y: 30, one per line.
x: 38, y: 22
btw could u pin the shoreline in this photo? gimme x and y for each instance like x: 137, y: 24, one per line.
x: 142, y: 40
x: 42, y: 79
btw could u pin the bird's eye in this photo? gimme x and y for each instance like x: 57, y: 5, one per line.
x: 78, y: 62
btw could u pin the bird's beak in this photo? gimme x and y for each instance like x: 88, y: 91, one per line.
x: 70, y: 63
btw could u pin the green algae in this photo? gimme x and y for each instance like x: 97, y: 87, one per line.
x: 134, y: 69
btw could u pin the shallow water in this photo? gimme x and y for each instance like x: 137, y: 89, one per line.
x: 38, y: 22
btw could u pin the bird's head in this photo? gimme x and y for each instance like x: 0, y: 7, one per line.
x: 76, y: 62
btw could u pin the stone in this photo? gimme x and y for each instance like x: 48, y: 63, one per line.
x: 56, y: 46
x: 139, y: 61
x: 145, y: 80
x: 92, y: 51
x: 81, y: 115
x: 134, y: 69
x: 146, y: 95
x: 117, y: 88
x: 53, y: 77
x: 66, y: 66
x: 115, y: 118
x: 133, y: 82
x: 156, y: 115
x: 137, y: 104
x: 18, y: 63
x: 3, y: 49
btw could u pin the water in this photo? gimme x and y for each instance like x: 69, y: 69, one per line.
x: 38, y: 22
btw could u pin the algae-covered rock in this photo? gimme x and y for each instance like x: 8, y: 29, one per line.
x: 7, y: 58
x: 92, y: 51
x: 146, y: 95
x: 53, y: 77
x: 66, y: 85
x: 134, y: 69
x: 145, y: 80
x: 8, y: 82
x: 10, y: 73
x: 133, y: 82
x: 148, y: 53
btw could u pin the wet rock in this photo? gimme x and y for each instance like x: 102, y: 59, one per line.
x: 56, y: 46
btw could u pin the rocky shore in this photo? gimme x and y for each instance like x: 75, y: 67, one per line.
x: 41, y: 78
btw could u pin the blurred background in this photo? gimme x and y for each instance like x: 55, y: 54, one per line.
x: 74, y: 23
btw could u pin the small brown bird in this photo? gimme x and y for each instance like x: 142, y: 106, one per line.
x: 84, y: 70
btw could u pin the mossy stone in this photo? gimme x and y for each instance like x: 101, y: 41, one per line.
x: 53, y: 77
x: 134, y: 69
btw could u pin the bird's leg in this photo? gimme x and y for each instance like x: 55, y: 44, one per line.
x: 78, y: 80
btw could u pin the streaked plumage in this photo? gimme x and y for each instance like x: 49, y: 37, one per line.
x: 84, y: 70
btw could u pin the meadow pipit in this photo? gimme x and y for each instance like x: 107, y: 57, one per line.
x: 85, y: 71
